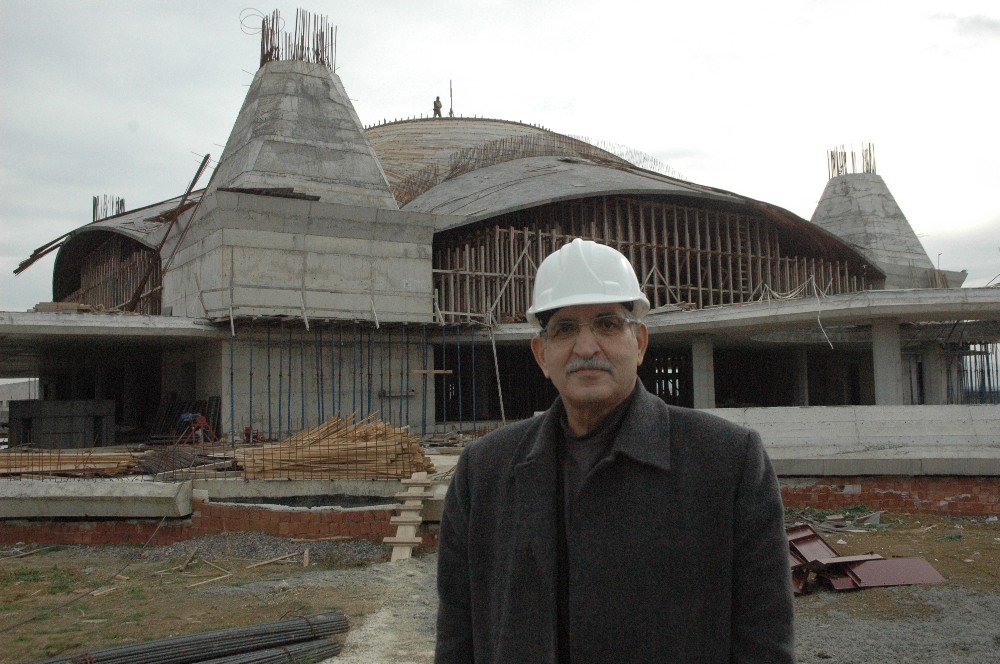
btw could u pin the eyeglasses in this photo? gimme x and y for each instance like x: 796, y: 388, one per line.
x: 607, y: 326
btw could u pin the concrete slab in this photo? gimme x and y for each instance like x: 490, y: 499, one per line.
x: 92, y: 498
x: 890, y: 435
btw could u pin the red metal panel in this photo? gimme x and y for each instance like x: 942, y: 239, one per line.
x: 805, y: 541
x: 893, y: 572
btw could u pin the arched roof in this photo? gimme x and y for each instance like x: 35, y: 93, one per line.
x: 478, y: 168
x: 407, y: 149
x: 146, y: 226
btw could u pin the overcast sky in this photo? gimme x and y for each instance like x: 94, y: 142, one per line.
x: 118, y: 98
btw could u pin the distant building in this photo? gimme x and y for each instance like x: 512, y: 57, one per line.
x: 328, y: 269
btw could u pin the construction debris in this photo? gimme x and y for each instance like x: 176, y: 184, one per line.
x: 811, y: 554
x: 177, y: 458
x: 341, y: 449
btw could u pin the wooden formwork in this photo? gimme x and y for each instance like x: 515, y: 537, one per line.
x: 111, y: 273
x: 683, y: 255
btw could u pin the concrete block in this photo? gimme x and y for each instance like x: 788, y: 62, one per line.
x: 125, y: 499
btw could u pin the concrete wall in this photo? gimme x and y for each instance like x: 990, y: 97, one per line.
x: 362, y: 369
x: 21, y: 390
x: 266, y: 256
x: 62, y: 424
x: 195, y: 372
x: 298, y: 129
x: 874, y: 432
x: 860, y: 209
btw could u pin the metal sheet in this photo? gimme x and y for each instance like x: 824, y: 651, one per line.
x: 808, y: 544
x: 893, y: 572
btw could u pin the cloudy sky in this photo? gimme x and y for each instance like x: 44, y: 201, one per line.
x: 119, y: 98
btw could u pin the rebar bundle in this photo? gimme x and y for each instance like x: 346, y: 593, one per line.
x: 222, y: 643
x: 313, y: 39
x: 297, y: 653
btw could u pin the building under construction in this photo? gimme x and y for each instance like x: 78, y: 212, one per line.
x: 327, y: 268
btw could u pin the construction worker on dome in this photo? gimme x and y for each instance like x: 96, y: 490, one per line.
x: 612, y: 527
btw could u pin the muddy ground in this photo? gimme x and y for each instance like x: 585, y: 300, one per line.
x: 67, y: 599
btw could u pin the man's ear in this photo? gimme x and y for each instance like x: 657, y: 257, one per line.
x: 642, y: 338
x: 538, y: 350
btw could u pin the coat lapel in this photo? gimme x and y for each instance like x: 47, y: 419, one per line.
x: 535, y: 495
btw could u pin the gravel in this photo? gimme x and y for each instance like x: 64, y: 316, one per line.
x: 936, y: 623
x: 945, y: 624
x: 246, y: 545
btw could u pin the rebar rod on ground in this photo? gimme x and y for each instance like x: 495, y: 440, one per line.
x: 218, y: 643
x: 306, y: 652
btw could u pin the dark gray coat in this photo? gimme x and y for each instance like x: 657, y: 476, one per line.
x: 676, y: 551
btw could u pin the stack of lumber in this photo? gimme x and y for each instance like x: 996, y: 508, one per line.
x: 65, y: 463
x: 340, y: 448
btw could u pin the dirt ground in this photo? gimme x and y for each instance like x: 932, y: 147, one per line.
x: 63, y: 600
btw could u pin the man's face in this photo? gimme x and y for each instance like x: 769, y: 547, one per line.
x: 590, y: 369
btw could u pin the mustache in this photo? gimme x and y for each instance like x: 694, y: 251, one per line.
x: 578, y: 364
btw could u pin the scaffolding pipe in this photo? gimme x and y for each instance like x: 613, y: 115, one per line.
x: 288, y: 397
x: 232, y: 382
x: 250, y: 359
x: 423, y: 417
x: 403, y: 396
x: 281, y: 358
x: 371, y: 368
x: 444, y: 376
x: 302, y: 377
x: 356, y: 335
x: 333, y: 376
x: 458, y: 368
x: 381, y: 378
x: 270, y: 432
x: 472, y: 338
x: 320, y: 383
x: 496, y: 369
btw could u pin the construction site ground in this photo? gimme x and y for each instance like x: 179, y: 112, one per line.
x: 66, y: 599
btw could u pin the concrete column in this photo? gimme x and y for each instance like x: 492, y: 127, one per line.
x: 935, y: 363
x: 703, y: 372
x: 800, y: 369
x: 888, y: 364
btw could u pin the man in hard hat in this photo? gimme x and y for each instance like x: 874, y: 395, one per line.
x: 612, y: 527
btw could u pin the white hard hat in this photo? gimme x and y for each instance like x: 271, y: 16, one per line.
x: 585, y: 272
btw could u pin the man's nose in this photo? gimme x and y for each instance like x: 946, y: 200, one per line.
x: 586, y: 344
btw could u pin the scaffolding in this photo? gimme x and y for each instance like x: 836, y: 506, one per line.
x: 685, y: 256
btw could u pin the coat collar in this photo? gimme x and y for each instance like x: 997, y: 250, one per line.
x: 644, y: 435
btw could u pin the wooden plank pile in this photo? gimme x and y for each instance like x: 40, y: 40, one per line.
x: 340, y: 448
x: 64, y: 463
